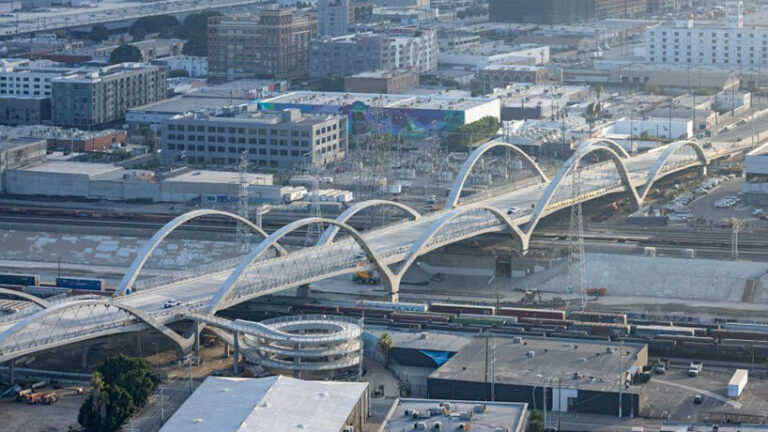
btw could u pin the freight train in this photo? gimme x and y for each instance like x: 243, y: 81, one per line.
x: 71, y: 282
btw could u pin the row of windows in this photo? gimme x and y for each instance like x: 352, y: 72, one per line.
x: 240, y: 150
x: 242, y: 130
x: 242, y: 140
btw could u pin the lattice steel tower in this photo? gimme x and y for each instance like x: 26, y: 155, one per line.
x: 242, y: 206
x: 577, y: 278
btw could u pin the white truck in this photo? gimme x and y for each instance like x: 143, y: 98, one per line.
x: 695, y: 369
x: 738, y: 383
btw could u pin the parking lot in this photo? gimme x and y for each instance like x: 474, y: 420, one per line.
x: 671, y: 396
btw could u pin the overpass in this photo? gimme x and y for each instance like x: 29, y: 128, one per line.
x: 602, y: 166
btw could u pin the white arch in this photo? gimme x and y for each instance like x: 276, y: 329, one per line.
x: 345, y: 216
x: 29, y: 297
x: 107, y: 302
x: 567, y: 168
x: 655, y: 172
x: 419, y: 246
x: 239, y: 271
x: 466, y: 169
x: 146, y: 251
x: 613, y: 145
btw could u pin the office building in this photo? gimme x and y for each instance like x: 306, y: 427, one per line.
x: 500, y: 75
x: 274, y: 44
x: 730, y: 45
x: 286, y: 139
x: 25, y: 110
x: 95, y: 98
x: 563, y: 11
x: 382, y: 81
x: 402, y: 48
x: 275, y: 403
x: 570, y: 375
x: 24, y: 78
x: 334, y: 17
x: 479, y: 56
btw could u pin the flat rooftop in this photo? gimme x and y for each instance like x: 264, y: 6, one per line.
x: 205, y: 176
x: 432, y: 341
x: 190, y: 102
x: 551, y: 358
x: 67, y: 167
x: 13, y: 143
x: 272, y: 404
x: 496, y: 415
x: 512, y: 67
x: 386, y: 101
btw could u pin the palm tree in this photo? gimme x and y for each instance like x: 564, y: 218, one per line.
x: 385, y: 344
x: 598, y: 89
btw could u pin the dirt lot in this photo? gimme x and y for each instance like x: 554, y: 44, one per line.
x: 19, y: 416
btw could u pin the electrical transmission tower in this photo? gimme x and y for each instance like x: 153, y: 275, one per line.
x: 315, y: 230
x: 577, y: 279
x: 242, y: 206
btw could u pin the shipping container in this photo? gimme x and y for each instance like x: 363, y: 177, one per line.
x: 603, y: 329
x: 532, y: 313
x: 19, y: 279
x: 748, y: 327
x: 401, y: 307
x: 482, y: 320
x: 738, y: 383
x: 80, y: 283
x: 461, y: 309
x: 735, y: 334
x: 420, y: 317
x: 599, y: 317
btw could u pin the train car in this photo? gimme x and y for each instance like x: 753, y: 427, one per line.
x: 603, y: 329
x: 652, y: 330
x: 747, y: 327
x: 390, y: 306
x: 19, y: 279
x: 482, y: 320
x: 420, y: 317
x: 598, y: 317
x: 545, y: 321
x: 317, y: 309
x: 737, y: 334
x: 456, y: 309
x: 532, y: 313
x: 80, y: 283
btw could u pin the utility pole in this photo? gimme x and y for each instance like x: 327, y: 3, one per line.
x: 621, y: 375
x: 242, y: 206
x: 736, y: 227
x: 576, y: 278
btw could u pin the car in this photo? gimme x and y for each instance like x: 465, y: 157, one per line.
x: 432, y: 199
x: 758, y: 212
x: 512, y: 210
x: 171, y: 303
x: 698, y: 399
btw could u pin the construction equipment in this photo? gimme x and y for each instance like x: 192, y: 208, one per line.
x: 366, y: 277
x: 50, y: 398
x: 33, y: 398
x: 531, y: 297
x: 22, y: 394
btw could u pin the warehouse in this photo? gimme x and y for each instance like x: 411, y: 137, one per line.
x: 456, y: 415
x: 275, y: 403
x: 567, y: 375
x: 428, y: 350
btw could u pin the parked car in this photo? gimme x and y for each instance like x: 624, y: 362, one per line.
x: 171, y: 303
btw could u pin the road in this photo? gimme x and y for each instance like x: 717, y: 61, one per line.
x: 392, y: 244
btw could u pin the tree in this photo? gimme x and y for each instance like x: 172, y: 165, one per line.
x: 152, y: 24
x: 598, y: 89
x: 195, y: 30
x: 702, y: 91
x: 125, y: 53
x: 385, y: 344
x: 465, y: 137
x: 148, y: 139
x: 119, y: 386
x: 98, y: 33
x: 536, y: 422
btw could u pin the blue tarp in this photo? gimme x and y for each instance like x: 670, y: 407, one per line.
x: 439, y: 357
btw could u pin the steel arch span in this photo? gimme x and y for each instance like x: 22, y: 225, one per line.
x: 40, y: 341
x: 146, y: 251
x: 469, y: 164
x: 613, y: 145
x: 25, y: 296
x: 239, y: 271
x: 422, y: 245
x: 571, y: 164
x: 356, y: 208
x: 655, y: 172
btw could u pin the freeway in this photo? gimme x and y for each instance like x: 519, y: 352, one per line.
x: 390, y: 249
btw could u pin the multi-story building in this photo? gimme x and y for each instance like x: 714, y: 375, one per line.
x: 334, y: 17
x: 500, y: 75
x: 364, y: 52
x: 274, y: 44
x: 684, y: 43
x: 285, y: 139
x: 563, y: 11
x: 95, y: 98
x: 382, y: 81
x: 29, y: 79
x: 196, y: 67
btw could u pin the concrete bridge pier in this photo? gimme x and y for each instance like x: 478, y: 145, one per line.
x: 392, y: 287
x: 86, y: 351
x: 236, y: 363
x: 702, y: 172
x: 12, y: 371
x: 302, y: 291
x: 197, y: 343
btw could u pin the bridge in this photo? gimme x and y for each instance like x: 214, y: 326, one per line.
x: 602, y: 166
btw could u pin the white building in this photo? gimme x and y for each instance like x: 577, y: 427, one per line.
x: 478, y: 57
x: 29, y: 79
x: 729, y: 45
x: 196, y: 67
x: 333, y: 17
x: 654, y: 127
